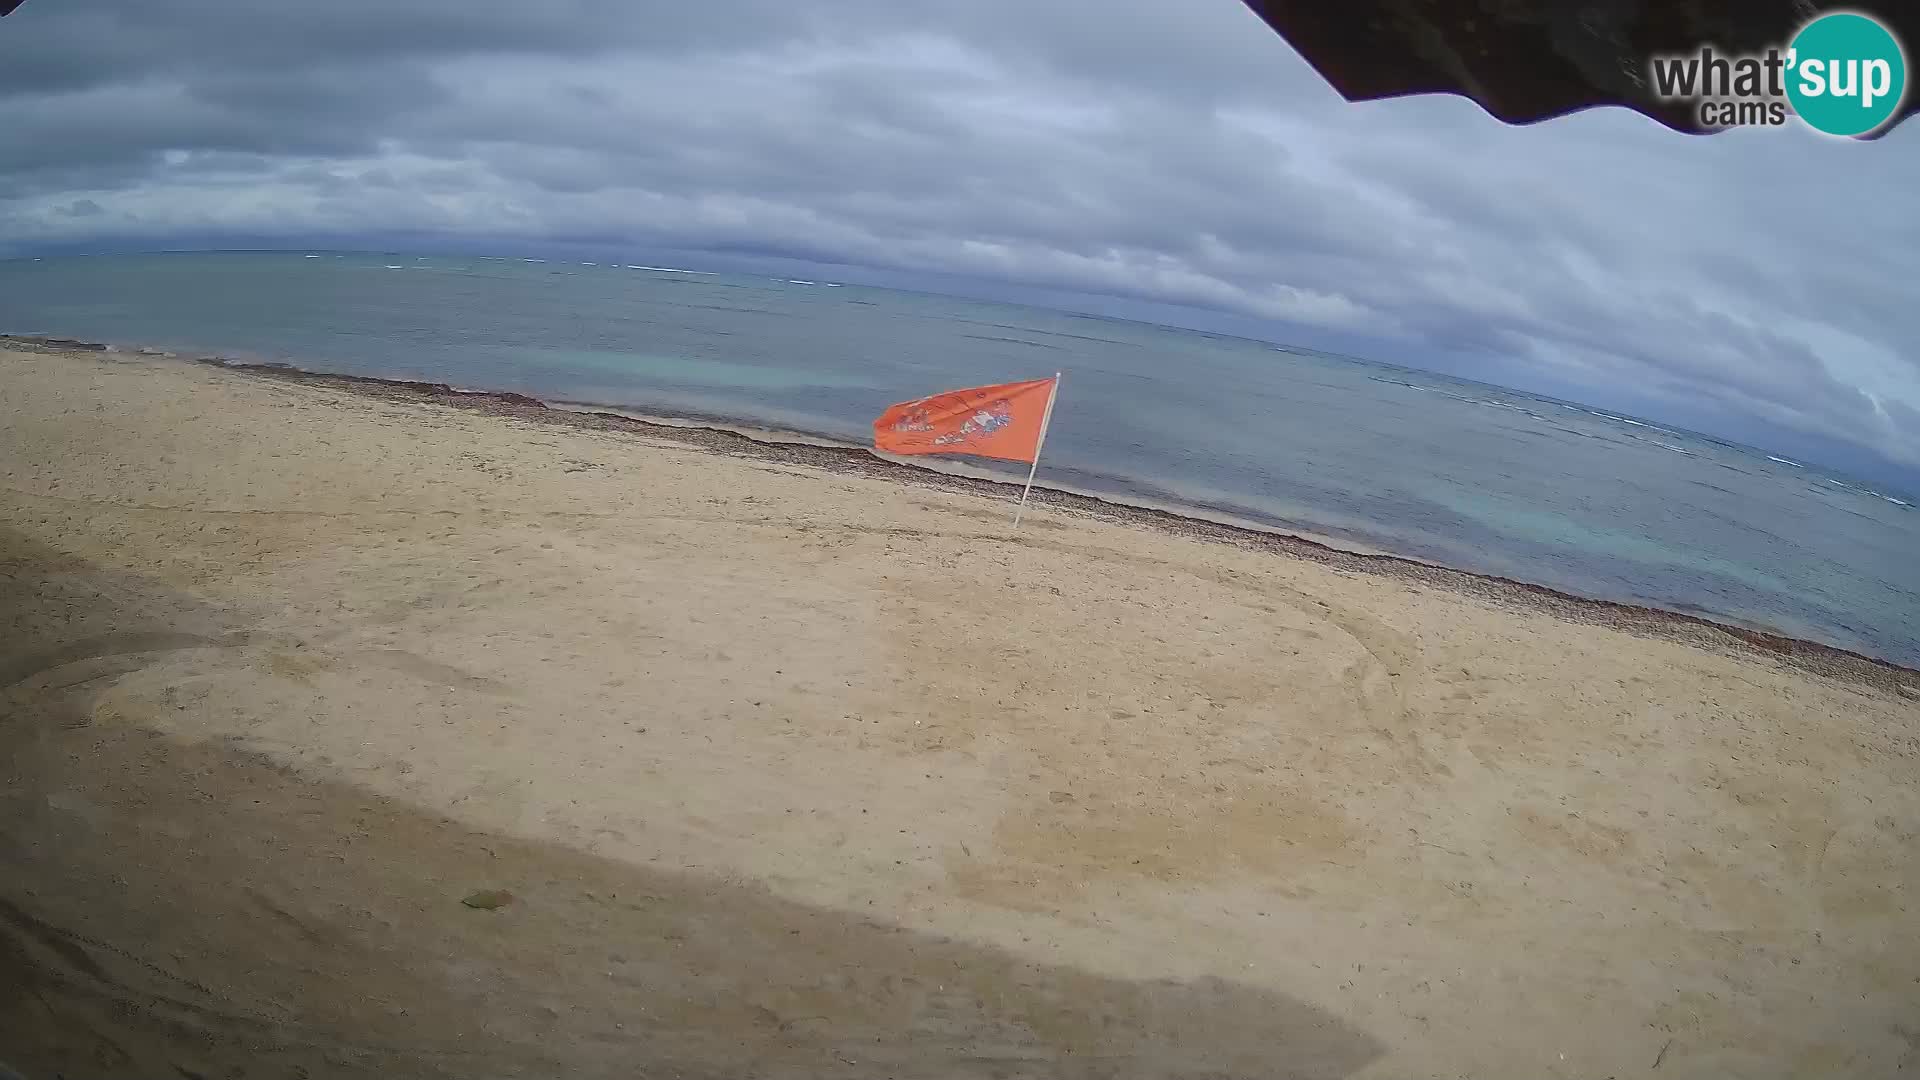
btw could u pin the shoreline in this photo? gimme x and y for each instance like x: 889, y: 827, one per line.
x: 720, y: 436
x: 1132, y: 500
x: 574, y: 744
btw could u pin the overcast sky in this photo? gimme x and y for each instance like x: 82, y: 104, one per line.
x: 1757, y: 284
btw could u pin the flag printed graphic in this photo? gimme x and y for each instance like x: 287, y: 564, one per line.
x: 1004, y: 422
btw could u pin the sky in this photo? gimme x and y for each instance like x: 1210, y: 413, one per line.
x: 1165, y: 159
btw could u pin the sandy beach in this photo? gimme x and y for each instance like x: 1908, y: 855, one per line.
x: 352, y: 730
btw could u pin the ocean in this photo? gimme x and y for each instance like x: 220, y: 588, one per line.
x: 1452, y: 472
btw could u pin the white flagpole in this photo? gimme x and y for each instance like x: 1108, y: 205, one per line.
x: 1045, y: 419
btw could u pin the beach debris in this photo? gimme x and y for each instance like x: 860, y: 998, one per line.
x: 53, y: 342
x: 488, y: 899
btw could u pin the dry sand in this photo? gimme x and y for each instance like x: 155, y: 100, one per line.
x: 792, y: 769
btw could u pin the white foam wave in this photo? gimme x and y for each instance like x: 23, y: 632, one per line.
x: 797, y: 281
x: 1784, y: 461
x: 1675, y: 449
x: 672, y: 270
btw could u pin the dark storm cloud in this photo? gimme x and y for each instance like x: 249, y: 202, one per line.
x: 1151, y: 149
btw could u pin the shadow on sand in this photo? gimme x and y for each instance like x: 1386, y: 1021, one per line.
x: 173, y: 909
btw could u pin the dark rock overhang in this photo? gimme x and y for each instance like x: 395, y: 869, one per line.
x: 1525, y: 61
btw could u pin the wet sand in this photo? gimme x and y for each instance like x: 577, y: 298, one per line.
x: 790, y: 768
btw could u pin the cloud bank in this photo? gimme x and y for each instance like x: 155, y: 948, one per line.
x: 1756, y: 283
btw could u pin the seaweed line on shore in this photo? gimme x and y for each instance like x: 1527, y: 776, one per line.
x: 1809, y: 656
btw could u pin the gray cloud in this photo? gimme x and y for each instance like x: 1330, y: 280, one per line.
x: 1146, y: 149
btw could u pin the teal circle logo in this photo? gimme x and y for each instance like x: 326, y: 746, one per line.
x: 1846, y: 74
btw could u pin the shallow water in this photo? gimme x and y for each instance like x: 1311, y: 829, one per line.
x: 1453, y: 472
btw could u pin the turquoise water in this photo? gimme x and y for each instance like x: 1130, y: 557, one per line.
x: 1454, y: 472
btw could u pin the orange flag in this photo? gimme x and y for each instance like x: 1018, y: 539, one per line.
x: 1004, y: 421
